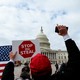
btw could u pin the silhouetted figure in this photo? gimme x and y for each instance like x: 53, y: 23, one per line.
x: 57, y: 67
x: 63, y: 67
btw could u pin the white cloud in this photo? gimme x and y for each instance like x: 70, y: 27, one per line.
x: 22, y: 19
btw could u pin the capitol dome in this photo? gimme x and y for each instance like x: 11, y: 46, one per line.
x: 44, y: 42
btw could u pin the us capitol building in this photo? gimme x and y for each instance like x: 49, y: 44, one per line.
x: 53, y: 55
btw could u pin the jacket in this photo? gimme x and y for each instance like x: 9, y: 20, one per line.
x: 72, y: 67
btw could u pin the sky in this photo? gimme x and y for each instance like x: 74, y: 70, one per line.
x: 22, y: 20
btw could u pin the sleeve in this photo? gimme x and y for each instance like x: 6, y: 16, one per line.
x: 72, y: 68
x: 73, y: 51
x: 8, y: 73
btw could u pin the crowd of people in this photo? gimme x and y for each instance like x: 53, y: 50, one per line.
x: 40, y: 66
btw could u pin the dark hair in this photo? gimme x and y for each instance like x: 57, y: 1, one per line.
x: 26, y: 68
x: 25, y: 73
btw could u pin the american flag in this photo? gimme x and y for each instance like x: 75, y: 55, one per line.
x: 4, y: 57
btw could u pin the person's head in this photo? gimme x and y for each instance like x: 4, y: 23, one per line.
x: 40, y: 67
x: 25, y: 68
x: 25, y: 73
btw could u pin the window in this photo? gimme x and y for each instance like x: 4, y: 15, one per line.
x: 64, y: 57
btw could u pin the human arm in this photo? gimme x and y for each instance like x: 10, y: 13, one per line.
x: 73, y: 51
x: 8, y: 73
x: 72, y: 68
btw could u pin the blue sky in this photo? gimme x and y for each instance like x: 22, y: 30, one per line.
x: 22, y: 20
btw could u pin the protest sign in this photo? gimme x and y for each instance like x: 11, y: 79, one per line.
x: 25, y: 48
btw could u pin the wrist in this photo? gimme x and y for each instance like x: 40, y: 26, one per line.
x: 11, y: 60
x: 66, y: 37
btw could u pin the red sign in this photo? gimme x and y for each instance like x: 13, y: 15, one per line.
x: 26, y: 49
